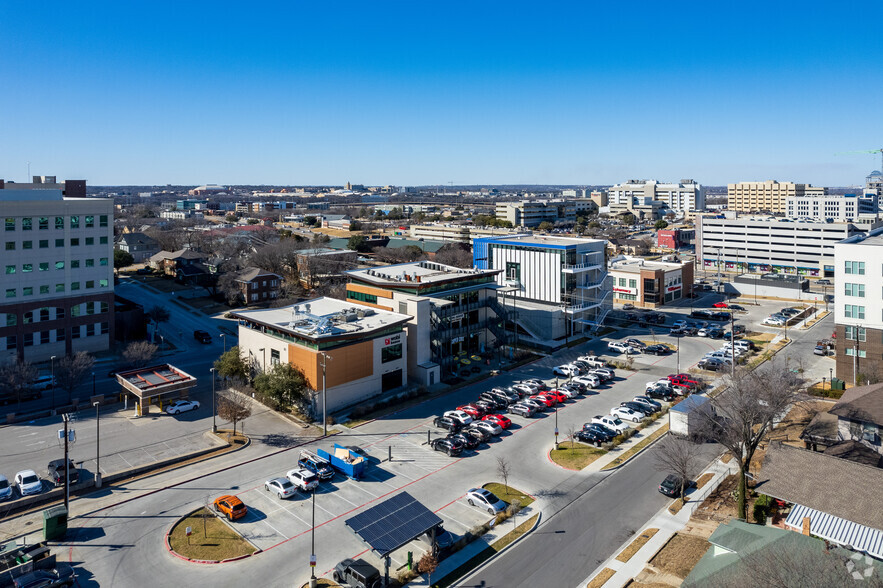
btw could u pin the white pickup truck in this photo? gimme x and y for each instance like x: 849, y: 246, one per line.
x: 593, y: 360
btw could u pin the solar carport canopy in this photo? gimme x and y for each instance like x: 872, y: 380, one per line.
x: 393, y: 523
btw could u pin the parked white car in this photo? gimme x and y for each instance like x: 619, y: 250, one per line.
x: 611, y: 422
x: 664, y: 382
x: 566, y: 370
x: 28, y: 482
x: 773, y: 321
x: 589, y: 381
x: 180, y: 406
x: 281, y: 487
x: 593, y: 360
x: 459, y: 416
x: 303, y: 479
x: 620, y: 347
x: 678, y: 324
x: 626, y: 413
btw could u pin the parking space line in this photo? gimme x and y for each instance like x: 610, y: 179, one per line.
x: 334, y: 494
x: 301, y: 520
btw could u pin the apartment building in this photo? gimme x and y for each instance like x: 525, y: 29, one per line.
x: 363, y: 349
x: 769, y: 196
x: 557, y: 287
x: 451, y: 233
x: 836, y: 207
x: 760, y: 244
x: 530, y: 213
x: 454, y: 312
x: 678, y: 197
x: 57, y: 282
x: 858, y: 308
x: 649, y: 284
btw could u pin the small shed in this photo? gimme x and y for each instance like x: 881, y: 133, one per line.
x: 679, y: 417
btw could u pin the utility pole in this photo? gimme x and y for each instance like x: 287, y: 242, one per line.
x: 324, y: 395
x: 855, y: 359
x: 52, y: 359
x: 214, y: 411
x: 67, y: 484
x: 313, y: 580
x: 97, y: 445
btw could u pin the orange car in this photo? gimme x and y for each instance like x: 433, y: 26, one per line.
x: 230, y: 506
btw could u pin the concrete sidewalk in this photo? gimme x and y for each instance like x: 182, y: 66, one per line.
x: 667, y: 523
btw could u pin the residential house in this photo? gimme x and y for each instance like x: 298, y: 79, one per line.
x: 860, y: 416
x: 742, y: 553
x: 838, y: 499
x: 257, y: 285
x: 316, y: 264
x: 169, y: 262
x: 139, y: 245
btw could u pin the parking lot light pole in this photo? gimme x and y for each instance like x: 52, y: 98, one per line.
x: 224, y: 341
x: 313, y: 581
x: 556, y: 427
x: 97, y: 444
x: 214, y: 412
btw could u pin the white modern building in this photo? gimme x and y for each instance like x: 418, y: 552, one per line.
x: 678, y: 197
x: 858, y: 306
x: 764, y: 244
x: 558, y: 287
x: 451, y: 233
x: 358, y: 351
x: 861, y: 208
x: 57, y: 279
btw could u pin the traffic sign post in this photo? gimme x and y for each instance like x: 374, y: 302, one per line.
x: 188, y: 531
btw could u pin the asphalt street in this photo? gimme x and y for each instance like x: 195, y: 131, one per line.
x: 123, y: 545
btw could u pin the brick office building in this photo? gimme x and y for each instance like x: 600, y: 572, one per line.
x: 649, y: 284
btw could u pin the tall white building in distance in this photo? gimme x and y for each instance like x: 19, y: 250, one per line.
x: 681, y: 197
x: 835, y: 207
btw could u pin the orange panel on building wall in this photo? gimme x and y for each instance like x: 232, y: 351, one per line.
x: 379, y: 292
x: 345, y: 364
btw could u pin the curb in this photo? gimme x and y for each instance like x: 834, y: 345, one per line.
x: 634, y: 455
x: 207, y: 561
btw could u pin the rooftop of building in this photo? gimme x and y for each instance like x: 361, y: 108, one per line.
x: 324, y: 318
x: 636, y: 264
x: 545, y: 241
x: 424, y: 272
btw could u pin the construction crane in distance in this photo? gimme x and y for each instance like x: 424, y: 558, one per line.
x: 880, y: 151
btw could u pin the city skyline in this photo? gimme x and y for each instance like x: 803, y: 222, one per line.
x: 410, y: 95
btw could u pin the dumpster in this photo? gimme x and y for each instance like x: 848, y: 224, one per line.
x: 54, y: 523
x: 838, y: 384
x: 344, y: 460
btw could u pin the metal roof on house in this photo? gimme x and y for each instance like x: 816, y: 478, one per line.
x: 841, y: 531
x: 832, y: 485
x: 689, y: 403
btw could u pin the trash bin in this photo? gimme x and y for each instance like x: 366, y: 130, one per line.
x: 54, y: 523
x: 838, y: 384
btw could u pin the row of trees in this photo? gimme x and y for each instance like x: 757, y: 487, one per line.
x: 281, y: 387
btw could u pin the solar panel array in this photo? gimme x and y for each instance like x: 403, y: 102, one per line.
x: 393, y: 523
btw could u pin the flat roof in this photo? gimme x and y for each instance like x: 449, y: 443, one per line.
x: 324, y: 318
x: 393, y: 523
x: 635, y: 265
x: 541, y: 240
x: 155, y: 380
x: 428, y: 272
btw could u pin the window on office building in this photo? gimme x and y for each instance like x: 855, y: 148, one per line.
x: 44, y: 223
x: 29, y: 340
x: 44, y: 337
x: 854, y: 267
x: 59, y: 242
x: 854, y: 311
x: 59, y: 334
x: 10, y: 245
x: 391, y: 353
x: 90, y: 222
x: 102, y: 220
x: 27, y: 224
x: 44, y: 289
x: 11, y: 342
x: 27, y: 291
x: 44, y: 243
x: 10, y: 224
x: 274, y: 357
x: 59, y: 222
x: 850, y: 333
x: 854, y: 289
x: 75, y: 222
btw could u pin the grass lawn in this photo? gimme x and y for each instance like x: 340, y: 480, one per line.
x: 218, y: 542
x: 637, y: 544
x: 577, y: 458
x: 601, y: 578
x: 508, y: 495
x: 638, y: 447
x: 680, y: 554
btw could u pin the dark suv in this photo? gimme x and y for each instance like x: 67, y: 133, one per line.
x: 202, y: 337
x: 671, y: 485
x: 56, y: 472
x: 317, y: 465
x: 356, y: 573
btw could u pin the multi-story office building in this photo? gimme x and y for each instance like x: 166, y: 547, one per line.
x: 69, y: 188
x: 454, y: 312
x: 458, y: 233
x: 362, y: 349
x: 769, y: 196
x: 835, y: 207
x: 530, y: 213
x: 681, y: 197
x: 558, y: 287
x: 858, y: 307
x: 649, y: 284
x: 57, y: 280
x: 874, y: 181
x: 768, y: 244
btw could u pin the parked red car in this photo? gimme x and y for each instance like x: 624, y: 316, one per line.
x: 546, y: 400
x: 498, y: 419
x: 683, y: 380
x: 558, y: 396
x: 475, y: 412
x: 720, y: 305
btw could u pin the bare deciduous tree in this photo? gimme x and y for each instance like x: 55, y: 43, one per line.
x: 744, y: 412
x: 678, y: 456
x: 426, y: 565
x: 15, y: 379
x: 232, y: 409
x: 139, y: 353
x: 571, y: 434
x: 71, y: 370
x: 158, y: 314
x: 504, y: 469
x: 455, y: 254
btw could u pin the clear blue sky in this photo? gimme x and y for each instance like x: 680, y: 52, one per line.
x: 434, y: 92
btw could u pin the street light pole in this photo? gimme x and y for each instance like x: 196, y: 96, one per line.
x: 313, y: 581
x: 224, y: 341
x: 324, y: 395
x: 214, y: 412
x: 97, y: 445
x: 556, y: 427
x: 93, y: 383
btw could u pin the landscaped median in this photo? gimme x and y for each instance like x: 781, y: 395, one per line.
x: 211, y: 539
x: 572, y: 455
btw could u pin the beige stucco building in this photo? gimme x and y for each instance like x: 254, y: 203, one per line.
x: 768, y: 196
